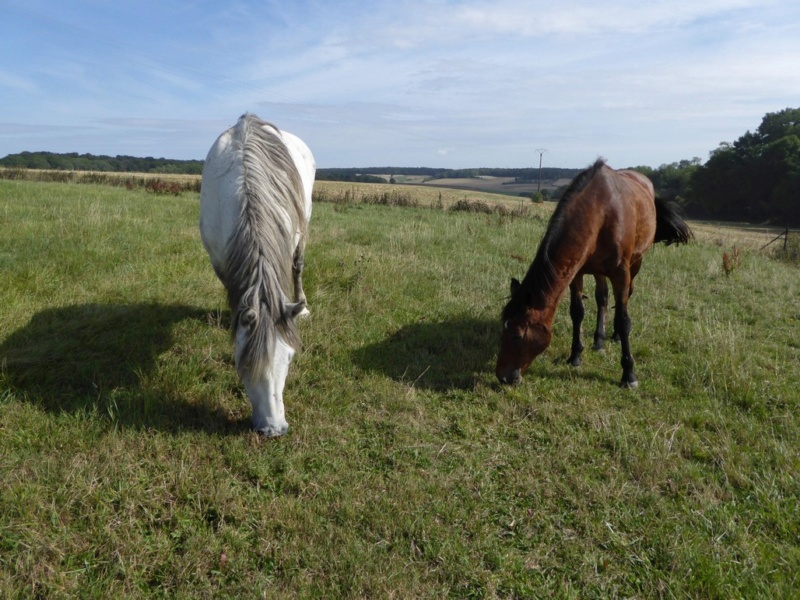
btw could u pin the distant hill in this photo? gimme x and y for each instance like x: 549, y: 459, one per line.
x: 522, y: 175
x: 73, y: 161
x: 509, y: 181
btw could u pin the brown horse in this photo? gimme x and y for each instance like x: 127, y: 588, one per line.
x: 602, y: 226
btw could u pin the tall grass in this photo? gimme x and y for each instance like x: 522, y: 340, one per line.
x: 174, y: 184
x: 130, y: 470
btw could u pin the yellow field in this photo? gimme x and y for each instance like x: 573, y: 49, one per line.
x: 426, y: 195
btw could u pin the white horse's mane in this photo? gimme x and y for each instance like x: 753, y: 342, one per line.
x: 260, y: 251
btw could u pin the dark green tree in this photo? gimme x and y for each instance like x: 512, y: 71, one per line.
x: 757, y: 178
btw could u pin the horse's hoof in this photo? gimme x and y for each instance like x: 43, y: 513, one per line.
x: 304, y: 313
x: 629, y: 385
x: 574, y: 362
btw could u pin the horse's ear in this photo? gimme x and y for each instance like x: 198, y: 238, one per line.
x: 514, y: 285
x: 292, y: 309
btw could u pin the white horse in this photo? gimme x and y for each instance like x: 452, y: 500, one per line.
x: 255, y: 203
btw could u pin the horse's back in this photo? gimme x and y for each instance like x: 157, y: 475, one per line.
x: 306, y: 166
x: 640, y: 192
x: 617, y: 217
x: 635, y: 204
x: 221, y: 194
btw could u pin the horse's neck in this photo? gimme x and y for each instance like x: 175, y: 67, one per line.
x: 548, y: 283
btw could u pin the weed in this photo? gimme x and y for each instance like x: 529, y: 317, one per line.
x: 732, y: 261
x: 157, y: 186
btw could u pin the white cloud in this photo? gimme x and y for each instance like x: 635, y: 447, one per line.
x: 17, y: 82
x: 463, y: 83
x: 596, y: 18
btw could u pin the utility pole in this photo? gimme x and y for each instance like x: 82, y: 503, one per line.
x: 539, y: 185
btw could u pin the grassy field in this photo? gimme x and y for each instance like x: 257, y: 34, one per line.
x: 129, y: 469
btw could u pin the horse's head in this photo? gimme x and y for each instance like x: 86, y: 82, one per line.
x: 526, y: 334
x: 263, y: 354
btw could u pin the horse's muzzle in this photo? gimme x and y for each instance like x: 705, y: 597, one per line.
x: 510, y: 377
x: 272, y: 431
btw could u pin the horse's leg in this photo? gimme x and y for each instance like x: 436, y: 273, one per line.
x: 622, y: 326
x: 576, y: 312
x: 601, y: 297
x: 298, y: 262
x: 634, y: 269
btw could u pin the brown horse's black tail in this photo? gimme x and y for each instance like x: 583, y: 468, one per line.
x: 670, y: 227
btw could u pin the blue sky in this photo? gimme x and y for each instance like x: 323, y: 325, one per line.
x: 403, y: 82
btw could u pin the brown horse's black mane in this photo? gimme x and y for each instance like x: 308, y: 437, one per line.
x: 541, y: 275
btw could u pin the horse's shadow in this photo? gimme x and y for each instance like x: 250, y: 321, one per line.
x: 453, y: 355
x: 447, y: 355
x: 92, y: 357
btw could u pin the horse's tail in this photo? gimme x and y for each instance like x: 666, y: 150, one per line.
x: 261, y: 249
x: 670, y: 227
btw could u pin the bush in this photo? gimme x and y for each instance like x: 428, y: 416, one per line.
x: 537, y: 197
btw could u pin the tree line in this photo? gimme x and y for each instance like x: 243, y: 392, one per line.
x: 73, y: 161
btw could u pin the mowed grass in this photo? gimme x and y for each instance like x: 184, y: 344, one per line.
x: 129, y: 469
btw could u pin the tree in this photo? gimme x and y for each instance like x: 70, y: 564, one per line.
x: 671, y: 181
x: 783, y: 158
x: 756, y: 178
x: 777, y: 125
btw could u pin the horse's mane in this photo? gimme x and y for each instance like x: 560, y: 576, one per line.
x: 541, y: 275
x: 260, y: 252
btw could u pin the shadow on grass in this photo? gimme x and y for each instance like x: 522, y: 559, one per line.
x: 98, y: 357
x: 438, y: 356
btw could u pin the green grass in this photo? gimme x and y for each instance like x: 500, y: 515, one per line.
x: 129, y: 469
